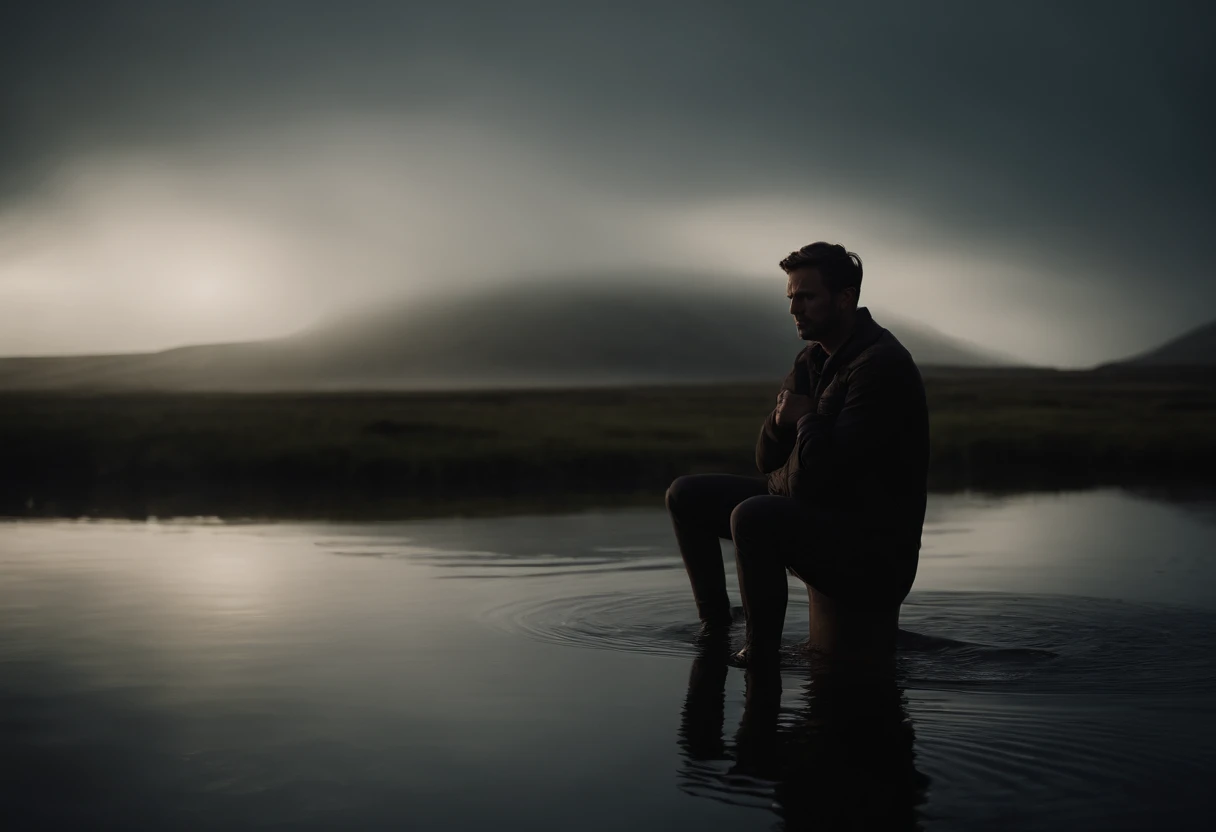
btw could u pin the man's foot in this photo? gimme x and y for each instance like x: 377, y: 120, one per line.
x: 713, y: 633
x: 714, y: 626
x: 755, y: 657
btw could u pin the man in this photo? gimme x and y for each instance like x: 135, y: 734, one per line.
x: 845, y: 455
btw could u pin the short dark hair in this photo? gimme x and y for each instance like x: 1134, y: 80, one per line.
x: 840, y: 268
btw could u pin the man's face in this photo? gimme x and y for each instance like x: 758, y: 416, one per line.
x: 816, y: 310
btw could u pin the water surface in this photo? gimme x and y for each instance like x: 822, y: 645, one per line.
x: 1057, y: 673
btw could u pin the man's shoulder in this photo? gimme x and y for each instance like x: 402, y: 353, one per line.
x: 885, y: 353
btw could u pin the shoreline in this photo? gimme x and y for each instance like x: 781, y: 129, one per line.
x: 361, y: 455
x: 1173, y: 491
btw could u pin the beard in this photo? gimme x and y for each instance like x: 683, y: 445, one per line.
x: 816, y: 330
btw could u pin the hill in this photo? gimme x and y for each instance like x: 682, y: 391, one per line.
x: 1196, y: 348
x: 620, y: 330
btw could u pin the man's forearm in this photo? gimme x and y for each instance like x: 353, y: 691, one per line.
x: 774, y: 446
x: 845, y: 439
x: 810, y: 426
x: 813, y: 451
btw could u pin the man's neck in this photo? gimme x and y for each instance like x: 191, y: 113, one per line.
x: 836, y: 340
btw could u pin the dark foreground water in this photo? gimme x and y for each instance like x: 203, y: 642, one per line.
x: 537, y: 673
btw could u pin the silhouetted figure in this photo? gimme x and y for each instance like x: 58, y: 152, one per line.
x: 841, y: 758
x: 845, y: 456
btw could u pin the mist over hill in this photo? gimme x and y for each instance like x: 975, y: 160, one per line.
x: 617, y: 330
x: 1196, y: 348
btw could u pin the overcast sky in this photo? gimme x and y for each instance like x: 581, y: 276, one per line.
x: 1036, y: 177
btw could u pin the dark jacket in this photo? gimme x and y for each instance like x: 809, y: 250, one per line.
x: 862, y: 455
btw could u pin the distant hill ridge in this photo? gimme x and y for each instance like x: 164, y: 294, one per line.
x: 616, y: 329
x: 1196, y: 348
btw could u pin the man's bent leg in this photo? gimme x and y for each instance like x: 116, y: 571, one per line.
x: 769, y: 532
x: 700, y: 506
x: 854, y: 591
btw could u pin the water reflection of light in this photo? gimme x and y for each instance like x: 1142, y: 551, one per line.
x: 1100, y: 543
x: 226, y: 579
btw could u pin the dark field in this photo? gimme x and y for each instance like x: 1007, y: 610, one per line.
x: 398, y: 454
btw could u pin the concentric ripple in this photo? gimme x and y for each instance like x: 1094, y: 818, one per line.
x: 949, y: 640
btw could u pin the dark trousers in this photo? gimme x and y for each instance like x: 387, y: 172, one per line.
x: 771, y: 534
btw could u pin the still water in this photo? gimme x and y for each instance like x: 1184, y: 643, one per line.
x: 537, y: 672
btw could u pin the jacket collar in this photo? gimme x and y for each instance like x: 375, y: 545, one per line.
x: 865, y: 332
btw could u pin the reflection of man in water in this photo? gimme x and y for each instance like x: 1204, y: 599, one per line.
x: 840, y: 756
x: 845, y: 454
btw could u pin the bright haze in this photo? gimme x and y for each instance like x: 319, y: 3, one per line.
x: 1035, y: 178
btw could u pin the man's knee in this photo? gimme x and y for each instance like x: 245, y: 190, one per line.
x: 684, y: 494
x: 750, y: 518
x: 676, y: 494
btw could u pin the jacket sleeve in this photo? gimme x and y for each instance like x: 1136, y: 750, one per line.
x: 845, y: 440
x: 776, y: 442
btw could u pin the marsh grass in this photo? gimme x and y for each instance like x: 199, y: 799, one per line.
x: 405, y: 454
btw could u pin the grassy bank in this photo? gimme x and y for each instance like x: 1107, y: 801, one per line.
x: 396, y: 454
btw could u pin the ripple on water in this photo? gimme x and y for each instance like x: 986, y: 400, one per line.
x: 949, y: 640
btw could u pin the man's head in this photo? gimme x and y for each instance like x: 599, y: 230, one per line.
x: 824, y: 282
